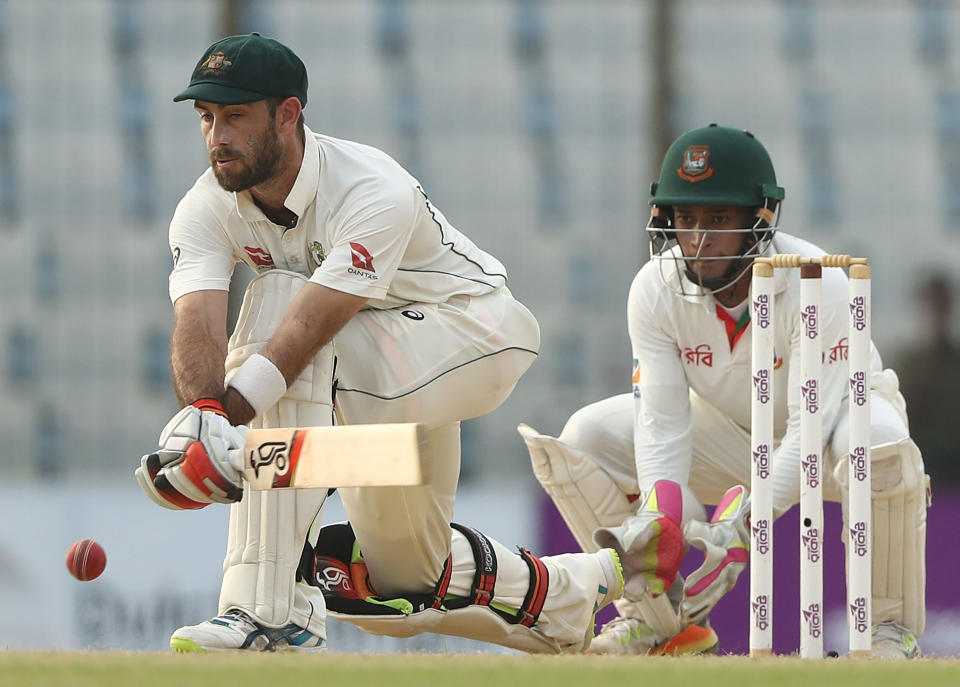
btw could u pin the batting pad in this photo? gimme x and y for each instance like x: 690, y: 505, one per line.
x: 268, y: 529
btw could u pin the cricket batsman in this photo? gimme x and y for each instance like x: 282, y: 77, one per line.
x: 367, y: 302
x: 632, y: 472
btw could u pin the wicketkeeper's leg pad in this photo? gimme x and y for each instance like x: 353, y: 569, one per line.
x: 584, y: 493
x: 900, y: 501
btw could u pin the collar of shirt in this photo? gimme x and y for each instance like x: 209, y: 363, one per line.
x: 304, y: 189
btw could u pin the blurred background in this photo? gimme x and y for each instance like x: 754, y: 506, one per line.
x: 536, y: 126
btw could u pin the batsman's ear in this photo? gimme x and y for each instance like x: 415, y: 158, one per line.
x: 288, y: 112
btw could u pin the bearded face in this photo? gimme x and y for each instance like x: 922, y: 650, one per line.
x: 238, y: 169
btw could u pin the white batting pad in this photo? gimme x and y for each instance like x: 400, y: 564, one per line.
x: 268, y: 529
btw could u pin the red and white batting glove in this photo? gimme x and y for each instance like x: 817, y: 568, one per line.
x: 199, y: 461
x: 725, y: 542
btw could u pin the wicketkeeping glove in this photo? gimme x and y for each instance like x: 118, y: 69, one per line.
x: 650, y: 544
x: 199, y: 461
x: 725, y: 542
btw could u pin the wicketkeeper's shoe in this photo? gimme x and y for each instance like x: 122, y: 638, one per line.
x: 632, y: 637
x: 236, y: 631
x: 693, y: 639
x: 891, y: 640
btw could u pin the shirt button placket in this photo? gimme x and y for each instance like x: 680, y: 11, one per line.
x: 290, y: 252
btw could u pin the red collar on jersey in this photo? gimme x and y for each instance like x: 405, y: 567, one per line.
x: 735, y: 328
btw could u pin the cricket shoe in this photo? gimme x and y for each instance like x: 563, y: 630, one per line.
x: 628, y: 636
x: 891, y: 640
x: 691, y: 640
x: 237, y: 631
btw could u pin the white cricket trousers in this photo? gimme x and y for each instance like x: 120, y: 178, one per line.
x: 438, y: 365
x: 721, y: 448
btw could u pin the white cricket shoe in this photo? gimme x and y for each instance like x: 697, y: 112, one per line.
x: 235, y: 630
x: 625, y: 636
x: 891, y: 640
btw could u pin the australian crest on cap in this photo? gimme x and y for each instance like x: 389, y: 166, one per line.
x: 214, y: 64
x: 695, y: 165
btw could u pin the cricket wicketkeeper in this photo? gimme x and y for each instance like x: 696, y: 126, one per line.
x: 682, y: 438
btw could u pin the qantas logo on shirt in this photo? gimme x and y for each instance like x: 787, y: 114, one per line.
x: 362, y: 259
x: 362, y: 262
x: 260, y: 257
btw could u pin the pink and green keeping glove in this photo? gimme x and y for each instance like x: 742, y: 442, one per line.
x: 651, y: 544
x: 725, y: 542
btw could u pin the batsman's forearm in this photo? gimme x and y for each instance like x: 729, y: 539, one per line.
x: 196, y: 363
x: 309, y: 323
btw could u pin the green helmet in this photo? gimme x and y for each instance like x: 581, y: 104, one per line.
x: 716, y: 165
x: 713, y: 166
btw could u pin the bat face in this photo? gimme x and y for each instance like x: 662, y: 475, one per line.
x: 341, y: 456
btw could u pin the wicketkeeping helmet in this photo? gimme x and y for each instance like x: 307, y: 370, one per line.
x: 715, y: 165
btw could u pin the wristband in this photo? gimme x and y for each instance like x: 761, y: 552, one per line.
x: 260, y: 382
x: 212, y: 405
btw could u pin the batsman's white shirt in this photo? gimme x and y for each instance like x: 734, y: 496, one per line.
x: 681, y: 345
x: 364, y: 227
x: 436, y: 302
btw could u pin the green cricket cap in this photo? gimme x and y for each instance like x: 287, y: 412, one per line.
x: 242, y: 69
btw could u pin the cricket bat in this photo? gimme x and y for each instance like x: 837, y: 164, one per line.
x: 340, y: 456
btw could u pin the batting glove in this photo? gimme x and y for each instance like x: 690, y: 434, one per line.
x: 199, y: 460
x: 725, y: 542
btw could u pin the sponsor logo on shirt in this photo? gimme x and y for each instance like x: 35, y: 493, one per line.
x: 838, y: 353
x: 701, y: 355
x: 260, y: 257
x: 362, y: 261
x: 636, y: 378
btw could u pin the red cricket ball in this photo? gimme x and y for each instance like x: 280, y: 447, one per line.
x: 86, y: 560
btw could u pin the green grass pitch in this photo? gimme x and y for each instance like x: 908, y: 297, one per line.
x: 109, y: 669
